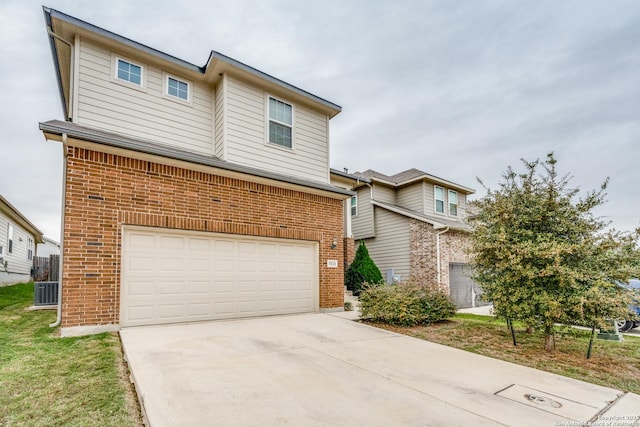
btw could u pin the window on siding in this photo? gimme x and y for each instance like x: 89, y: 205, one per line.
x: 129, y: 72
x: 29, y: 248
x: 453, y: 203
x: 439, y: 198
x: 354, y: 205
x: 177, y: 88
x: 280, y: 123
x: 10, y: 238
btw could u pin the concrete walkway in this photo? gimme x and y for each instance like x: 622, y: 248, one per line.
x: 324, y: 370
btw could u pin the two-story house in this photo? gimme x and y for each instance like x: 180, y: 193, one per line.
x: 18, y: 240
x: 190, y: 192
x: 413, y: 224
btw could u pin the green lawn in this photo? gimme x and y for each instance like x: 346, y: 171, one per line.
x: 612, y: 364
x: 46, y: 380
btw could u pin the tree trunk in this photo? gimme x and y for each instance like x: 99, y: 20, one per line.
x: 549, y: 342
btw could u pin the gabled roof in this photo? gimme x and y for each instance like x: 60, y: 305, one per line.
x: 63, y: 26
x: 409, y: 176
x: 56, y: 128
x: 15, y: 215
x: 437, y: 222
x: 347, y: 175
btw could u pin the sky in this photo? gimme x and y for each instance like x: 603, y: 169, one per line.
x: 459, y: 89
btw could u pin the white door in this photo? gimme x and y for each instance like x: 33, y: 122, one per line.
x: 171, y: 276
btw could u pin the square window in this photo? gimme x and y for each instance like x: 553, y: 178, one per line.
x: 178, y: 88
x: 129, y: 72
x: 280, y: 123
x: 439, y: 199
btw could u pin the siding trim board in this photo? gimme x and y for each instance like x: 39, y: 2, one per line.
x: 54, y: 129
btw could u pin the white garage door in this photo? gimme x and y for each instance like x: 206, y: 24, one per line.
x: 177, y: 276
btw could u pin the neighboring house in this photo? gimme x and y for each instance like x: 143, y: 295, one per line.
x: 191, y: 193
x: 18, y: 240
x: 48, y: 247
x: 413, y: 224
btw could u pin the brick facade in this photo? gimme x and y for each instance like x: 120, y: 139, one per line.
x: 349, y: 250
x: 454, y: 247
x: 106, y: 191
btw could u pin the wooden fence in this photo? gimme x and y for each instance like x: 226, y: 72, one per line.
x: 46, y: 268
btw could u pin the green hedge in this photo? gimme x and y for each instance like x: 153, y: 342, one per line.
x: 362, y: 270
x: 405, y: 304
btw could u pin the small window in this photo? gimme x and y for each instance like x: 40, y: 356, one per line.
x: 178, y: 88
x: 280, y: 123
x: 453, y: 203
x: 129, y: 72
x: 354, y: 205
x: 439, y: 198
x: 10, y: 238
x: 29, y: 248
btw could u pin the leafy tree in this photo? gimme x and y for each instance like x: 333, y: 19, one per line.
x: 541, y: 255
x: 362, y: 270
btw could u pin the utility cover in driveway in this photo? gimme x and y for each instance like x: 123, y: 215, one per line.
x: 171, y: 276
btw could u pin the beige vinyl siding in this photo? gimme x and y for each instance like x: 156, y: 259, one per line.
x: 219, y: 120
x: 17, y: 259
x: 412, y: 197
x: 384, y: 194
x: 429, y: 203
x: 462, y: 206
x: 111, y: 106
x: 391, y: 246
x: 246, y: 136
x: 362, y: 224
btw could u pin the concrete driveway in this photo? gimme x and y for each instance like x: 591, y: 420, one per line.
x: 323, y: 370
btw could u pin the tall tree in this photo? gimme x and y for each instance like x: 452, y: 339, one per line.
x: 541, y: 255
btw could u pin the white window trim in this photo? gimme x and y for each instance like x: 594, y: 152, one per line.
x: 352, y: 206
x: 449, y: 192
x: 114, y: 73
x: 165, y: 89
x: 435, y: 200
x: 267, y: 120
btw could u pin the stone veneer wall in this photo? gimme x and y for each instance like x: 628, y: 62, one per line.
x: 453, y: 248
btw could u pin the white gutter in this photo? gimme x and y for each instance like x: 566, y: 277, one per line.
x: 61, y: 262
x: 438, y: 253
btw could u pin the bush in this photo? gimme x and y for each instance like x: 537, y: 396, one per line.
x: 362, y: 270
x: 405, y: 304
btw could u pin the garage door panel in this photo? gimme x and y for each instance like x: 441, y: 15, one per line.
x: 175, y: 276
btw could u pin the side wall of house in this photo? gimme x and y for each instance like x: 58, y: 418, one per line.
x: 423, y: 258
x: 391, y: 246
x: 411, y: 197
x: 106, y: 191
x: 111, y: 105
x: 247, y: 128
x: 362, y: 224
x: 19, y: 264
x: 453, y: 248
x: 384, y: 194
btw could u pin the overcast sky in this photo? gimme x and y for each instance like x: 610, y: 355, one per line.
x: 459, y: 89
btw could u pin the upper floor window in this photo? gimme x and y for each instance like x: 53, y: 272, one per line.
x: 10, y: 238
x: 354, y: 205
x: 177, y: 88
x: 129, y: 72
x: 453, y: 203
x: 439, y: 199
x: 280, y: 123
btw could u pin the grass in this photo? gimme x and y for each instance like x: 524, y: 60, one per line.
x: 612, y: 364
x: 46, y: 380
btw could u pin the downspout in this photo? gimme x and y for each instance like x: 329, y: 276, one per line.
x: 71, y: 68
x: 438, y: 253
x: 61, y: 262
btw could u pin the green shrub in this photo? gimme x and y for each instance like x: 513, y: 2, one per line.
x: 362, y: 270
x: 405, y: 304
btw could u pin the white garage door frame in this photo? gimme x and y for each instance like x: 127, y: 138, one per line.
x: 178, y: 276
